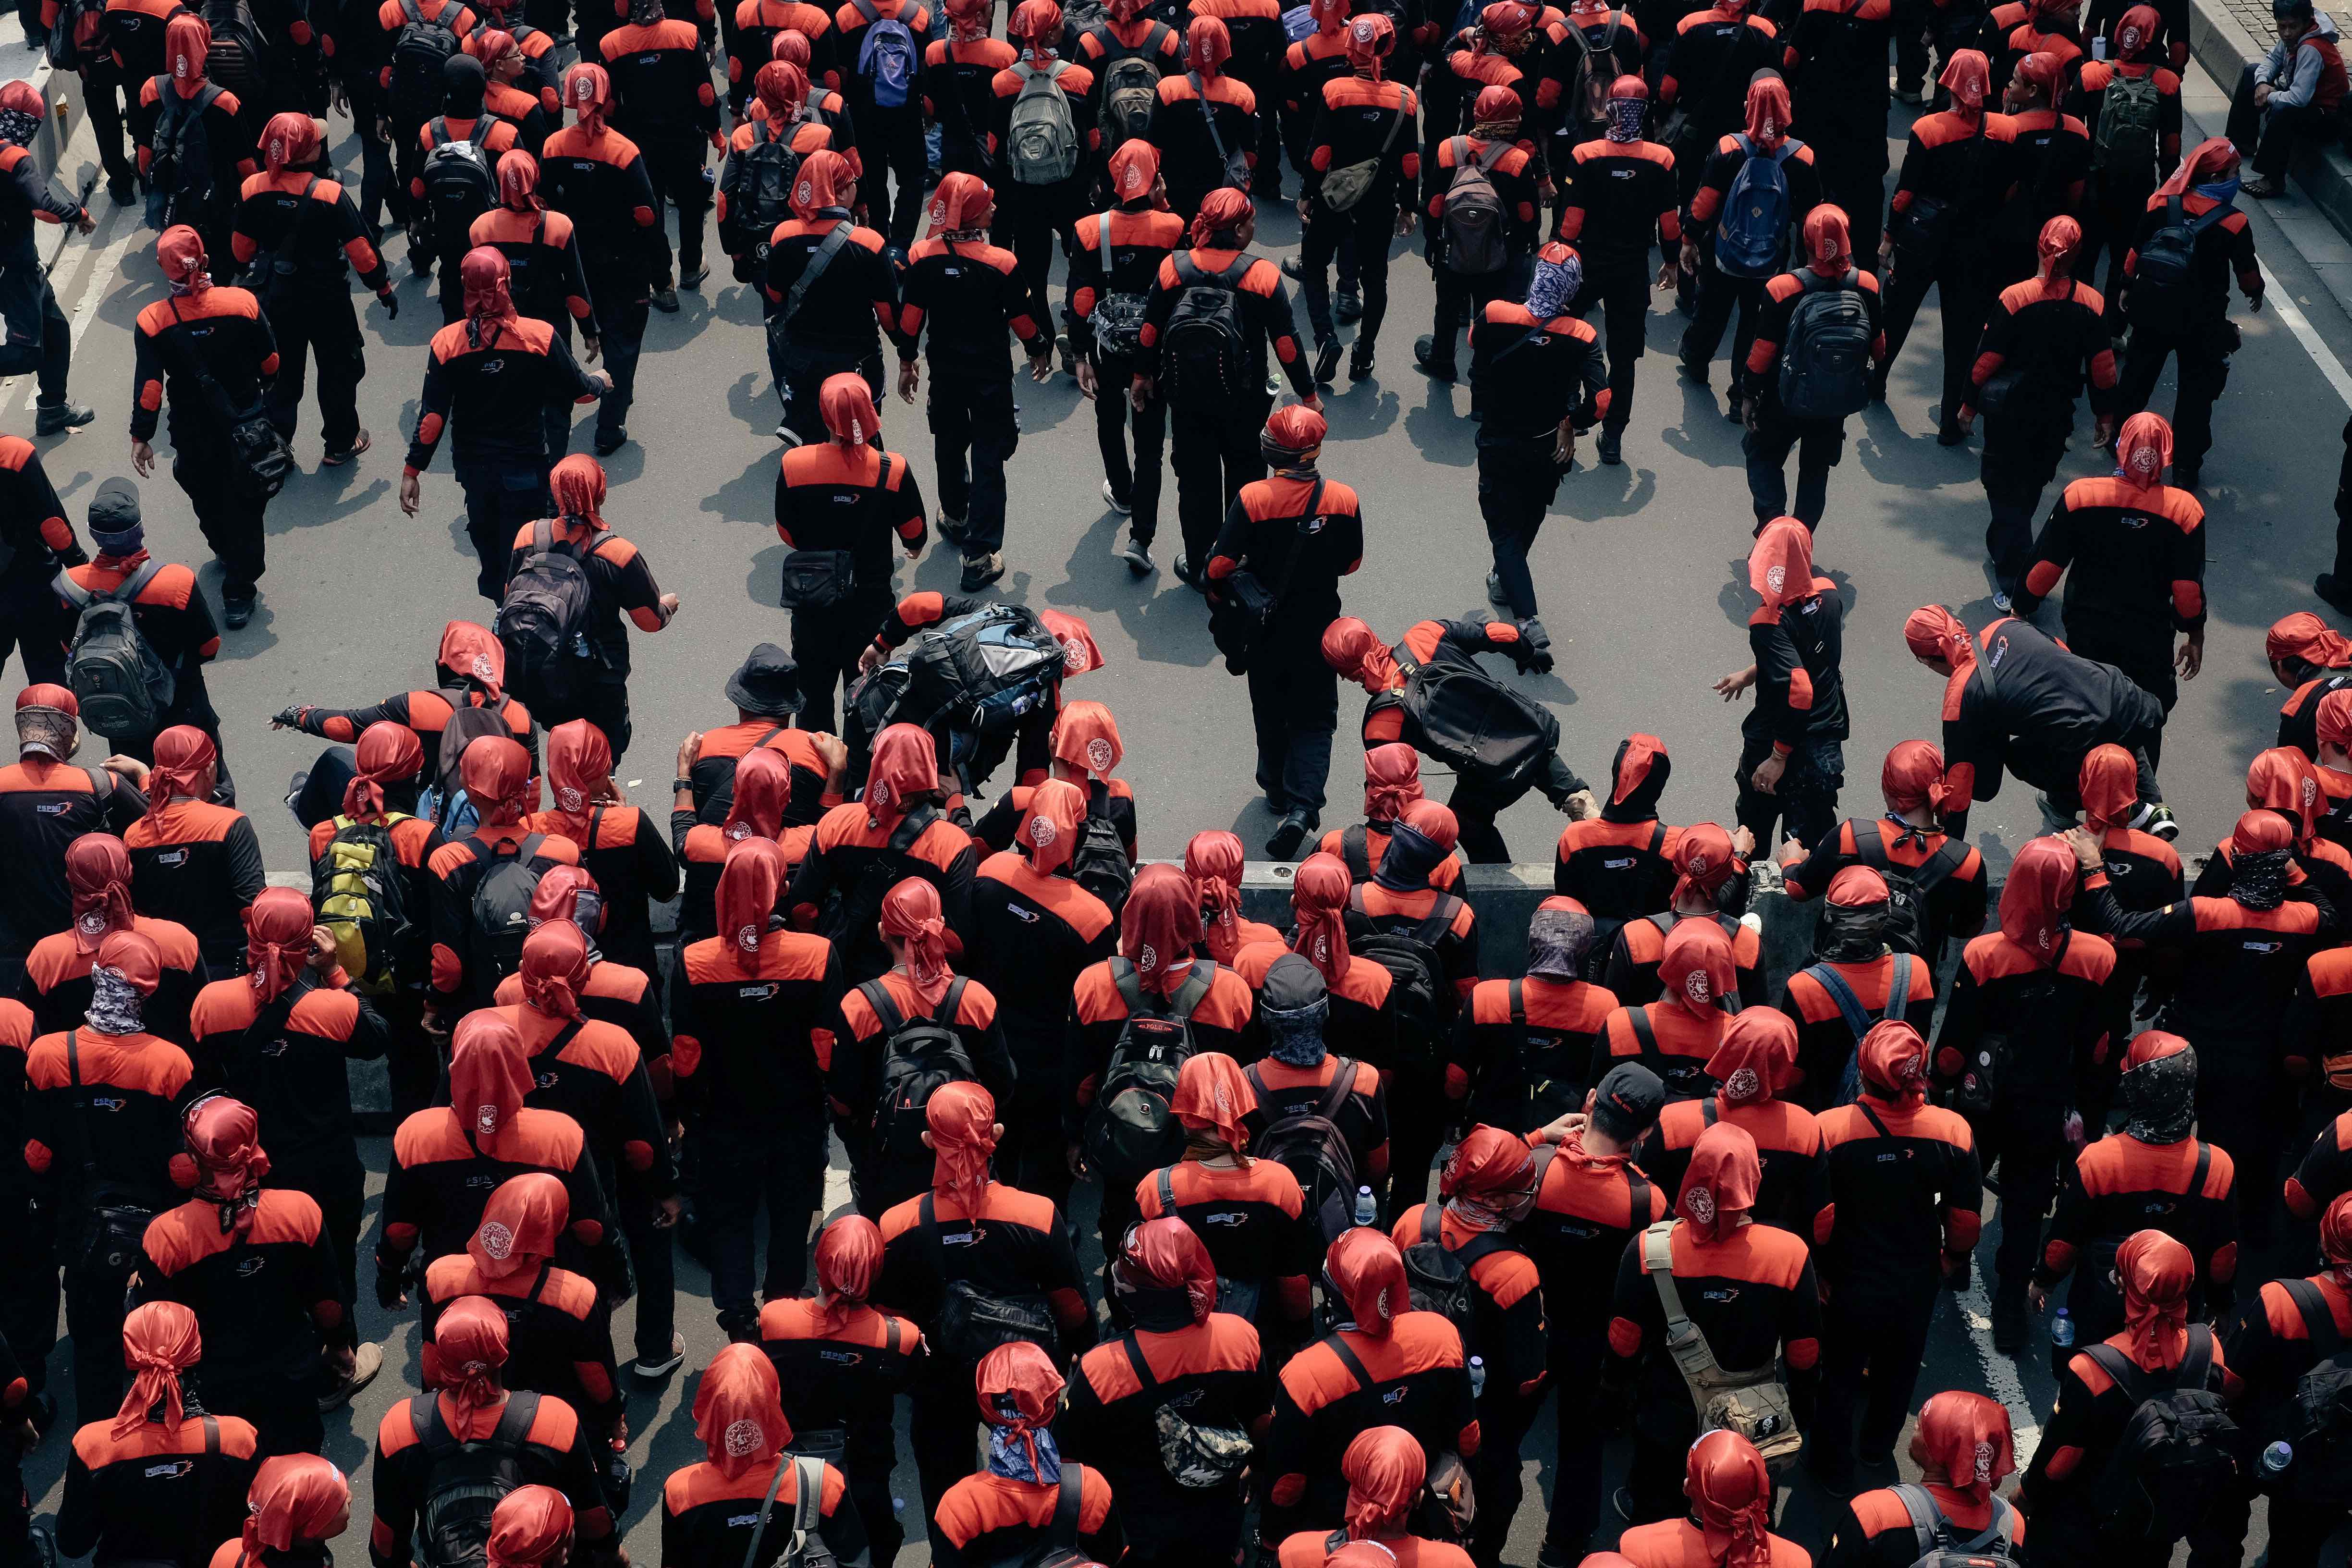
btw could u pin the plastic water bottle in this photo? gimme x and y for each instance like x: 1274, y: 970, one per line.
x: 2061, y: 1330
x: 2277, y: 1458
x: 1477, y: 1376
x: 1367, y: 1211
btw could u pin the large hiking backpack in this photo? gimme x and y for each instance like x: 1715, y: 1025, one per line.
x: 1754, y: 229
x: 465, y: 1478
x: 419, y: 50
x: 981, y: 673
x: 888, y: 57
x: 1825, y: 364
x: 1907, y: 887
x: 1438, y: 1279
x: 2317, y: 1421
x: 2126, y: 133
x: 1310, y: 1146
x: 240, y: 57
x: 443, y: 801
x: 498, y: 917
x: 1457, y: 713
x: 1471, y: 211
x: 1940, y: 1545
x: 2177, y: 1455
x: 919, y: 1055
x: 1417, y: 978
x: 1041, y: 139
x: 459, y: 184
x: 759, y: 181
x: 1099, y: 863
x: 1206, y: 355
x: 357, y: 891
x: 1130, y: 83
x: 1132, y: 1133
x: 123, y: 686
x: 182, y: 169
x: 2164, y: 280
x: 542, y: 622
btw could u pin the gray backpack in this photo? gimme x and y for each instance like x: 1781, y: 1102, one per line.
x: 1942, y: 1546
x: 124, y: 689
x: 1472, y: 211
x: 1042, y: 140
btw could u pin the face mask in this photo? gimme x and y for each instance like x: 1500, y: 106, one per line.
x: 2223, y: 191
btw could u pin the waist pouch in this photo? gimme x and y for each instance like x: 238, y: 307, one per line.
x: 818, y: 579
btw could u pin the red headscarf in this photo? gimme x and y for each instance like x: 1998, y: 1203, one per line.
x: 385, y: 752
x: 961, y: 205
x: 1207, y: 47
x: 1213, y: 859
x: 489, y: 302
x: 1767, y: 112
x: 2061, y: 240
x: 159, y: 1342
x: 912, y: 915
x: 905, y: 769
x: 1370, y: 1272
x: 489, y: 1074
x: 2144, y: 450
x: 1720, y: 1185
x: 1894, y: 1063
x: 962, y: 1121
x: 2285, y: 780
x: 1703, y: 860
x: 2333, y: 720
x: 558, y: 896
x: 184, y: 767
x: 1018, y: 1390
x: 1755, y: 1059
x: 1932, y: 631
x: 1164, y: 1254
x: 1857, y: 886
x: 2136, y: 31
x: 2213, y: 159
x: 1829, y: 243
x: 1385, y: 1471
x: 1135, y: 167
x: 2040, y: 71
x: 530, y: 1526
x: 1330, y: 16
x: 1506, y: 19
x: 1962, y: 1443
x: 288, y: 140
x: 579, y: 769
x: 848, y: 1261
x: 2156, y: 1272
x: 1086, y: 737
x: 139, y: 963
x: 295, y: 1498
x: 1489, y: 1180
x: 738, y: 1412
x: 1213, y: 1096
x: 1318, y: 900
x: 1080, y: 653
x: 824, y: 185
x: 846, y: 404
x: 277, y: 925
x: 1370, y: 38
x: 469, y: 1342
x: 25, y: 99
x: 1496, y: 106
x: 1038, y: 23
x: 187, y: 43
x: 471, y: 653
x: 1296, y: 429
x: 1351, y: 648
x: 1391, y: 781
x: 1913, y: 776
x: 1696, y: 969
x: 520, y: 1224
x: 496, y: 772
x: 1160, y: 926
x: 1967, y: 77
x: 1634, y: 761
x: 554, y: 969
x: 588, y: 90
x: 578, y: 483
x: 224, y: 1139
x: 764, y: 789
x: 1049, y: 830
x: 2335, y: 1239
x: 791, y: 46
x: 179, y: 250
x: 2305, y: 637
x: 98, y: 875
x: 1731, y: 1494
x: 782, y: 88
x: 2035, y: 899
x: 749, y: 884
x: 1221, y: 211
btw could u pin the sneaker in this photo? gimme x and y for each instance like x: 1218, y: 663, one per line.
x: 646, y: 1367
x: 1538, y: 645
x: 1611, y: 451
x: 55, y: 419
x: 665, y: 299
x: 1360, y: 360
x: 123, y: 189
x: 1138, y: 556
x: 1877, y: 388
x: 1183, y: 567
x: 420, y: 260
x: 1110, y: 498
x: 2158, y: 820
x: 952, y: 528
x: 1289, y: 836
x: 1424, y: 352
x: 610, y: 441
x: 237, y: 612
x: 1349, y: 306
x: 366, y: 1362
x: 694, y: 278
x: 2333, y: 590
x: 2002, y: 602
x: 1694, y: 374
x: 1326, y: 361
x: 1069, y: 355
x: 2261, y: 187
x: 337, y: 459
x: 1292, y: 269
x: 784, y: 433
x: 979, y: 571
x: 1950, y: 435
x: 1495, y: 595
x: 45, y: 1546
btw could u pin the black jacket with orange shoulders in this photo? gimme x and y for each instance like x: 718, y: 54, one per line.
x: 593, y: 1072
x: 197, y: 865
x: 413, y: 841
x: 1779, y: 305
x: 224, y: 330
x: 968, y: 296
x: 2236, y: 968
x: 1586, y: 1213
x: 495, y: 137
x: 1799, y: 173
x: 228, y: 138
x: 293, y: 1075
x: 2326, y: 1171
x: 751, y: 28
x: 1617, y: 199
x: 842, y: 1375
x: 1254, y: 1220
x: 622, y: 846
x: 58, y: 984
x: 1800, y: 650
x: 125, y: 1156
x: 2271, y: 1339
x: 1508, y: 1328
x: 1788, y: 1145
x: 1098, y: 1014
x: 599, y: 183
x: 1190, y: 104
x: 828, y: 497
x: 852, y: 303
x: 621, y: 994
x: 1533, y: 375
x: 462, y: 977
x: 848, y: 842
x: 661, y: 82
x: 494, y: 383
x: 1269, y: 529
x: 32, y: 525
x: 1955, y: 905
x: 1894, y: 1199
x: 2053, y: 1017
x: 1753, y: 1295
x: 1265, y: 319
x: 2119, y: 1185
x: 1360, y: 846
x: 855, y: 1080
x: 756, y: 1033
x: 702, y: 849
x: 709, y: 1516
x: 440, y: 1179
x: 1671, y: 1040
x: 2087, y: 97
x: 1714, y: 54
x: 323, y: 226
x: 1964, y: 163
x: 1824, y: 1041
x: 1414, y: 1376
x: 2092, y: 1412
x: 619, y: 581
x: 544, y: 270
x: 1354, y: 119
x: 427, y: 713
x: 988, y: 1517
x: 713, y: 772
x: 1525, y: 1048
x: 1617, y: 871
x: 559, y: 1333
x: 1641, y: 946
x: 1212, y: 1372
x: 1140, y: 240
x: 1032, y: 937
x: 553, y: 1451
x: 1014, y: 1246
x: 269, y: 1295
x: 808, y: 135
x: 2134, y: 560
x: 155, y: 1494
x: 1284, y: 1090
x: 1874, y: 1529
x: 46, y: 805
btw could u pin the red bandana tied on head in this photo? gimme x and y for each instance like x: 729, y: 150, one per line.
x: 824, y: 186
x: 905, y: 769
x: 1962, y: 1442
x: 1731, y: 1497
x: 496, y: 772
x: 160, y: 1341
x: 749, y: 884
x: 2305, y: 637
x: 578, y: 483
x: 789, y: 46
x: 1385, y: 1471
x: 1164, y: 1254
x: 554, y: 969
x: 1704, y: 860
x: 2041, y: 71
x: 489, y: 303
x: 2156, y: 1272
x: 489, y: 1074
x: 1086, y: 737
x: 1135, y: 167
x: 1370, y: 38
x: 386, y: 753
x: 471, y: 653
x: 97, y: 876
x: 1894, y: 1063
x: 1160, y: 927
x: 1207, y: 47
x: 2062, y: 239
x: 1079, y: 651
x: 1297, y: 429
x: 1767, y: 112
x: 2333, y: 720
x: 1370, y: 1272
x: 846, y: 404
x: 183, y: 767
x: 961, y: 205
x: 2136, y: 31
x: 912, y: 915
x: 579, y: 772
x: 224, y: 1138
x: 471, y: 1345
x: 1221, y: 211
x: 848, y: 1261
x: 1496, y: 107
x: 296, y: 1501
x: 520, y: 1225
x: 738, y: 1412
x: 1913, y: 776
x: 1050, y: 829
x: 1318, y: 902
x: 961, y: 1118
x: 1391, y: 781
x: 1720, y: 1187
x: 2215, y: 158
x: 1634, y: 759
x: 531, y: 1526
x: 180, y: 251
x: 1212, y: 1096
x: 278, y: 927
x: 1932, y: 631
x: 2335, y: 1239
x: 1695, y: 969
x: 783, y: 88
x: 1213, y: 859
x: 2035, y: 899
x: 1038, y: 23
x: 1829, y: 245
x: 1489, y: 1178
x: 2144, y: 450
x: 764, y: 789
x: 1755, y: 1059
x: 1967, y: 77
x: 2110, y: 788
x: 289, y: 141
x: 588, y: 90
x: 1351, y: 648
x: 2285, y: 780
x: 561, y: 894
x: 1781, y: 565
x: 1330, y: 16
x: 187, y: 46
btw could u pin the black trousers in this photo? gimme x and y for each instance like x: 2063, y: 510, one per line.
x: 1215, y: 454
x: 380, y: 195
x: 1137, y: 482
x: 1871, y: 1348
x: 2144, y: 653
x: 500, y: 499
x: 1853, y: 169
x: 622, y: 308
x: 2021, y: 458
x: 1624, y: 300
x: 800, y: 372
x: 412, y: 1058
x: 1576, y: 1365
x: 1818, y: 443
x: 37, y: 334
x: 736, y: 1173
x: 1518, y: 480
x: 1459, y: 302
x: 1033, y: 221
x: 104, y: 91
x: 943, y: 1427
x: 675, y: 164
x: 231, y: 521
x: 655, y: 1264
x: 32, y: 622
x: 2243, y: 1107
x: 1719, y: 294
x: 316, y: 320
x: 976, y: 429
x: 1369, y: 224
x: 1294, y: 709
x: 2027, y: 1138
x: 94, y: 1293
x: 826, y: 643
x: 1476, y: 803
x: 1806, y: 795
x: 1496, y: 1478
x: 1960, y: 277
x: 2204, y: 349
x: 28, y: 1292
x: 2299, y: 1530
x: 892, y: 139
x: 2268, y: 136
x: 604, y: 701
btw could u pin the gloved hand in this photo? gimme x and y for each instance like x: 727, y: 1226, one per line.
x: 1535, y: 645
x: 391, y: 303
x: 291, y: 718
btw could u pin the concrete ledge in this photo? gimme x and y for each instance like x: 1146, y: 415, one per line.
x: 2321, y: 173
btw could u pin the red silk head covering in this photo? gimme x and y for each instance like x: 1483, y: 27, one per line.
x: 555, y: 968
x: 1385, y: 1471
x: 738, y: 1412
x: 1967, y: 77
x: 1213, y: 859
x: 962, y: 1121
x: 224, y: 1139
x: 1629, y: 86
x: 160, y: 1341
x: 557, y: 898
x: 1080, y: 652
x: 1894, y: 1063
x: 2305, y: 636
x: 2212, y: 160
x: 1781, y: 565
x: 489, y: 299
x: 2336, y: 1238
x: 185, y: 766
x: 905, y: 768
x: 1164, y: 1254
x: 1049, y: 830
x: 912, y: 915
x: 1318, y: 900
x: 1160, y: 926
x: 1756, y: 1057
x: 1435, y: 823
x: 2136, y: 30
x: 2261, y: 831
x: 179, y: 250
x: 1912, y: 776
x: 295, y: 1498
x: 1720, y: 1185
x: 1351, y: 648
x: 1221, y: 211
x: 385, y: 752
x: 2110, y: 787
x: 588, y: 90
x: 2061, y: 241
x: 470, y: 1344
x: 2156, y: 1272
x: 846, y: 406
x: 848, y: 1261
x: 782, y: 88
x: 1207, y: 47
x: 962, y: 204
x: 520, y: 1224
x: 1497, y: 106
x: 1212, y: 1096
x: 1703, y: 860
x: 764, y: 789
x: 1488, y: 1161
x: 289, y: 141
x: 2333, y: 720
x: 23, y: 98
x: 1086, y: 736
x: 1296, y: 428
x: 470, y: 652
x: 825, y: 181
x: 1963, y: 1442
x: 1037, y: 23
x: 2285, y: 780
x: 2144, y: 450
x: 530, y: 1526
x: 1857, y: 886
x: 2035, y: 899
x: 1016, y: 1385
x: 1731, y: 1497
x: 1829, y: 243
x: 2042, y: 72
x: 790, y: 45
x: 578, y: 483
x: 1391, y: 781
x: 489, y: 1073
x: 749, y: 884
x: 579, y: 771
x: 1134, y: 167
x: 1932, y: 631
x: 1695, y: 969
x: 492, y: 46
x: 1330, y: 16
x: 1371, y: 37
x: 1506, y: 18
x: 1370, y: 1272
x: 97, y: 876
x: 1634, y: 766
x: 278, y: 927
x: 1767, y: 112
x: 187, y: 41
x: 496, y: 772
x: 133, y: 957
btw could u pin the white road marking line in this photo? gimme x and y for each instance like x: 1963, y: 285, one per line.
x: 2000, y: 1373
x: 2295, y: 321
x: 95, y: 277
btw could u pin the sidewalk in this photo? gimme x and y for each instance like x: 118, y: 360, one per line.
x: 20, y: 62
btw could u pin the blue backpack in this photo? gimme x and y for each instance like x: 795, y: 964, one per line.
x: 1749, y: 240
x: 888, y: 57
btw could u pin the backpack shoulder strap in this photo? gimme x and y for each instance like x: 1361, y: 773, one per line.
x: 2196, y: 1177
x: 1639, y: 1019
x: 1354, y: 849
x: 1129, y: 985
x: 1343, y: 1084
x: 2197, y: 1362
x: 1637, y: 1197
x: 1657, y: 837
x: 911, y: 827
x: 1518, y: 1004
x: 1351, y: 1361
x: 886, y: 1010
x: 1870, y: 847
x: 951, y: 1005
x: 1898, y: 985
x: 1927, y: 1519
x: 1658, y: 1263
x: 808, y: 1503
x: 1946, y: 860
x: 514, y: 1421
x: 1067, y: 1510
x: 1440, y: 921
x: 1136, y: 1358
x: 2126, y: 1372
x: 785, y: 1461
x: 1194, y: 990
x: 1165, y: 1179
x: 1849, y: 1005
x: 2318, y: 1321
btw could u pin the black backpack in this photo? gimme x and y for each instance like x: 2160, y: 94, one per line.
x: 465, y: 1479
x: 919, y: 1055
x: 982, y: 672
x: 1907, y: 887
x: 1438, y: 1280
x: 1825, y: 362
x: 760, y: 182
x: 1203, y: 352
x: 444, y: 802
x: 1099, y: 863
x: 240, y: 57
x: 182, y: 169
x: 1310, y: 1146
x: 2163, y: 291
x: 459, y: 182
x: 2177, y: 1455
x: 419, y: 50
x: 974, y: 1318
x: 1417, y: 988
x: 1474, y: 724
x: 499, y: 914
x: 2317, y: 1421
x: 1684, y: 1077
x: 123, y: 686
x: 542, y: 622
x: 1132, y: 1133
x: 1551, y: 1076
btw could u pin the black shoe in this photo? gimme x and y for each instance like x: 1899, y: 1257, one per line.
x: 1495, y: 595
x: 420, y: 260
x: 1111, y: 499
x: 1069, y: 354
x: 1611, y: 453
x: 952, y: 528
x: 1138, y: 556
x: 1878, y: 387
x: 2186, y: 474
x: 45, y: 1546
x: 336, y: 459
x: 1538, y: 645
x: 1359, y: 362
x: 236, y: 613
x: 1183, y: 567
x: 610, y: 441
x: 1289, y: 835
x: 1694, y: 374
x: 55, y: 419
x: 653, y: 1367
x: 694, y: 278
x: 2333, y: 590
x: 1950, y: 435
x: 1424, y: 352
x: 2009, y: 1318
x: 1349, y: 307
x: 1326, y: 361
x: 1292, y: 269
x: 665, y: 300
x: 123, y: 189
x: 979, y: 571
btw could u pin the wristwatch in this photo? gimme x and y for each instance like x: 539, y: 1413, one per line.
x: 678, y: 784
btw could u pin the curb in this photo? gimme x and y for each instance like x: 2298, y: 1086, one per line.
x: 2321, y: 174
x: 49, y: 142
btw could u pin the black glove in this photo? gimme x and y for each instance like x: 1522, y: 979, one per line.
x: 1535, y: 645
x: 391, y: 303
x: 291, y: 718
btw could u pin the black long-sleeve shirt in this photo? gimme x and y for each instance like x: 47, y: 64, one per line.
x: 968, y: 295
x: 1532, y: 376
x: 2134, y: 560
x: 495, y: 394
x: 27, y: 196
x: 1799, y: 688
x: 1266, y: 317
x: 223, y: 331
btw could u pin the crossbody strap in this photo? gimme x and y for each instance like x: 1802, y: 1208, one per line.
x: 1067, y: 1510
x: 767, y: 1507
x: 1658, y: 1263
x: 831, y: 246
x: 1136, y: 1358
x: 1517, y: 994
x: 1351, y: 1361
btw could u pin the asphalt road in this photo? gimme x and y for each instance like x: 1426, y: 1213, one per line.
x: 1641, y: 573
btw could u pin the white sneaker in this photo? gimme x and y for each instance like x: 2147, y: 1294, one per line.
x: 641, y: 1367
x: 2001, y: 602
x: 1110, y: 498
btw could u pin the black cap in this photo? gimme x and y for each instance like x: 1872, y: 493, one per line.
x: 1628, y: 1100
x: 1292, y: 984
x: 767, y: 684
x: 115, y: 507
